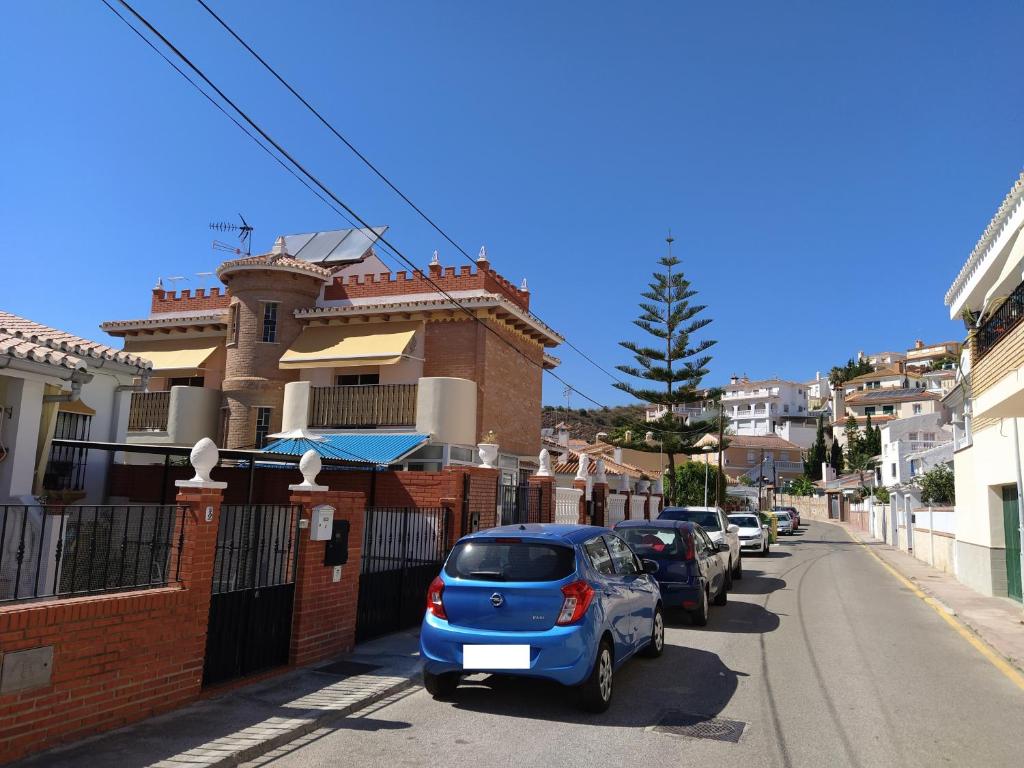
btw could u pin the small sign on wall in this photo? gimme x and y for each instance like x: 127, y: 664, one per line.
x: 323, y: 520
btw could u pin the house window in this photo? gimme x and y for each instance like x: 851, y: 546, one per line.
x: 65, y: 470
x: 269, y: 321
x: 185, y: 381
x: 357, y: 379
x: 893, y: 469
x: 785, y: 408
x: 233, y: 324
x: 869, y: 410
x: 262, y: 426
x: 887, y: 410
x: 928, y: 436
x: 750, y: 457
x: 912, y: 437
x: 917, y: 407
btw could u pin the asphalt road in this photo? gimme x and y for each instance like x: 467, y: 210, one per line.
x: 825, y: 658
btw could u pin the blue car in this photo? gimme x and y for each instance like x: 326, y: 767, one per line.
x: 569, y: 603
x: 692, y: 569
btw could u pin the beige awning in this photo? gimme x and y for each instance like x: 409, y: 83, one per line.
x: 347, y: 346
x: 76, y: 406
x: 174, y: 355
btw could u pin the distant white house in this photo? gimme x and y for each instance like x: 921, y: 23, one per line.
x: 55, y: 384
x: 911, y: 446
x: 759, y: 407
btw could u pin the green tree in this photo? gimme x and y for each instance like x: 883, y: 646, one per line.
x: 835, y: 459
x: 817, y: 454
x: 670, y: 369
x: 802, y: 486
x: 688, y: 488
x: 853, y: 368
x: 882, y: 494
x: 938, y: 486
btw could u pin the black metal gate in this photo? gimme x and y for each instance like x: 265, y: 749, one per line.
x: 250, y: 623
x: 403, y: 551
x: 519, y: 504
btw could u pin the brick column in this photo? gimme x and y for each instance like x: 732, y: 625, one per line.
x: 197, y: 528
x: 599, y: 495
x: 582, y: 486
x: 324, y: 611
x: 546, y: 512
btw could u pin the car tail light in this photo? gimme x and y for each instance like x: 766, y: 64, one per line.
x: 577, y: 598
x: 435, y: 601
x: 689, y: 554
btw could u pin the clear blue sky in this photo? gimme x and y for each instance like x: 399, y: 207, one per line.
x: 825, y: 167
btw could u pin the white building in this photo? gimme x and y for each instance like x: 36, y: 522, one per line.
x: 912, y: 446
x: 759, y: 407
x: 53, y: 383
x: 988, y: 295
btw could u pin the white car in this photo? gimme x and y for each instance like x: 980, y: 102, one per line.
x: 717, y: 526
x: 754, y: 536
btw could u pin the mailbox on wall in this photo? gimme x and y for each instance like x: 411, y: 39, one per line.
x: 336, y: 551
x: 320, y: 528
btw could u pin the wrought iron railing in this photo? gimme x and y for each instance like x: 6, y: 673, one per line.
x: 365, y: 405
x: 149, y: 411
x: 60, y: 551
x: 1002, y: 321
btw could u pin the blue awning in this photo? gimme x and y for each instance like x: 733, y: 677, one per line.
x: 363, y: 448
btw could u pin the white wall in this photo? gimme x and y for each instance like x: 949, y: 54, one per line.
x: 21, y: 432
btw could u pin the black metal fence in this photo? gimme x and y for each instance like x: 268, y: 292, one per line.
x: 519, y: 504
x: 256, y: 546
x: 1002, y: 321
x: 403, y: 550
x: 57, y: 551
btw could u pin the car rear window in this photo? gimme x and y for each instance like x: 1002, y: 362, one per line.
x: 706, y: 520
x: 493, y: 560
x: 782, y: 515
x: 654, y: 543
x: 746, y: 521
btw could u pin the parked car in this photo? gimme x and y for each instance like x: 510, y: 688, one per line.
x: 754, y: 535
x: 569, y: 603
x: 794, y: 514
x: 692, y: 569
x: 785, y: 526
x: 717, y: 526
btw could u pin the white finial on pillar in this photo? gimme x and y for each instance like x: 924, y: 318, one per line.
x: 545, y: 463
x: 159, y: 284
x: 435, y: 260
x: 203, y: 458
x: 310, y: 466
x: 279, y: 249
x: 599, y: 472
x: 583, y: 471
x: 483, y: 254
x: 523, y: 287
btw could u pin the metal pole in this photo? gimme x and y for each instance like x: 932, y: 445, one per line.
x: 1020, y: 498
x: 705, y: 479
x: 721, y: 431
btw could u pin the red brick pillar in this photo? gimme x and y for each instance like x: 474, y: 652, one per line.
x: 196, y: 529
x: 599, y: 495
x: 324, y: 612
x: 546, y: 512
x: 582, y: 486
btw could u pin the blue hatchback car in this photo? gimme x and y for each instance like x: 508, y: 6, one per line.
x: 569, y: 603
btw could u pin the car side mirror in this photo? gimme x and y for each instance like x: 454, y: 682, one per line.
x: 733, y: 528
x: 650, y: 566
x: 723, y: 546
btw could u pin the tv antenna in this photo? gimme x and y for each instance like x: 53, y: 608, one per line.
x: 174, y: 281
x: 204, y: 277
x: 244, y: 236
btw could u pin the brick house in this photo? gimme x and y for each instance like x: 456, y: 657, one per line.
x: 316, y: 339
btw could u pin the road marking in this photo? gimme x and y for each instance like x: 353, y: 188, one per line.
x: 943, y: 611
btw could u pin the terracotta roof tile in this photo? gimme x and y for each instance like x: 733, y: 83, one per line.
x: 29, y: 340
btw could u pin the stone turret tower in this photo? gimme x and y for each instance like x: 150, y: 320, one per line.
x: 265, y: 292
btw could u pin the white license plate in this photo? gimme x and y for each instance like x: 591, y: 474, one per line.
x: 495, y: 657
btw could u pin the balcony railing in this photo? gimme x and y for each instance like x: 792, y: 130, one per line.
x: 363, y: 406
x: 750, y: 414
x: 149, y: 411
x: 1002, y: 321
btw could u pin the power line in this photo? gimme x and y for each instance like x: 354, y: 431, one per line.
x: 380, y: 174
x: 270, y: 140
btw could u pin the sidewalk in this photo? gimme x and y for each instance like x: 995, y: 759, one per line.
x: 998, y: 621
x: 250, y: 721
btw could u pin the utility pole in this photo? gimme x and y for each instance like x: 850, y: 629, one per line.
x: 760, y: 480
x: 721, y: 433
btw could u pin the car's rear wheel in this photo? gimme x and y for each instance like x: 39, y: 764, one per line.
x: 737, y: 572
x: 654, y: 648
x: 767, y: 548
x: 440, y: 686
x: 596, y: 691
x: 728, y: 576
x: 699, y: 615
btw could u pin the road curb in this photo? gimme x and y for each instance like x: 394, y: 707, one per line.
x: 325, y: 719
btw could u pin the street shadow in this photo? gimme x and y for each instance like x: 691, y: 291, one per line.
x: 758, y: 585
x: 776, y: 553
x: 683, y: 678
x: 739, y: 617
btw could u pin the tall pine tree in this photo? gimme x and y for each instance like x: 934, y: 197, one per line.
x: 817, y: 454
x: 670, y: 368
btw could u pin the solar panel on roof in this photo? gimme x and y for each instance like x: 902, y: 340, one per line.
x: 339, y: 246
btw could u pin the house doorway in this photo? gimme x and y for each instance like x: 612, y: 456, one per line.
x: 1011, y: 533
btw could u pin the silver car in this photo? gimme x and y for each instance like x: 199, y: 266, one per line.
x: 785, y: 525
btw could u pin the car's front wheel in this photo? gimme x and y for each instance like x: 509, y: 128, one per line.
x: 654, y: 648
x: 596, y: 691
x: 767, y: 547
x: 440, y: 686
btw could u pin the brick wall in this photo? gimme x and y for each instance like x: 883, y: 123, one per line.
x: 447, y: 278
x: 117, y: 658
x: 324, y: 613
x: 510, y: 392
x: 186, y: 301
